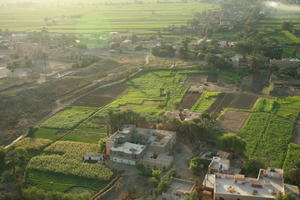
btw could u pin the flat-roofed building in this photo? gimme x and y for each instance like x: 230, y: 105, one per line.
x: 266, y: 186
x: 127, y: 153
x: 150, y: 146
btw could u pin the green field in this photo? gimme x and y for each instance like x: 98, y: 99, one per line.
x: 271, y: 28
x: 267, y: 137
x: 45, y: 133
x: 144, y: 94
x: 206, y: 100
x: 60, y: 183
x: 292, y: 157
x: 288, y: 107
x: 69, y: 118
x: 100, y: 16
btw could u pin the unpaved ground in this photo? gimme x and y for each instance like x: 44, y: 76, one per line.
x: 296, y: 138
x: 232, y: 121
x: 233, y: 100
x: 130, y: 181
x: 189, y: 100
x: 102, y: 96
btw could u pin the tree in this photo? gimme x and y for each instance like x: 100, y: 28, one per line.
x: 244, y: 48
x: 233, y: 143
x: 252, y: 167
x: 294, y: 175
x: 102, y: 144
x: 286, y: 26
x: 164, y: 50
x: 287, y: 196
x: 15, y: 157
x: 257, y: 62
x: 2, y: 156
x: 197, y: 165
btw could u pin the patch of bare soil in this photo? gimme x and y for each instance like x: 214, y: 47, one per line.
x: 233, y: 100
x: 189, y: 100
x: 296, y: 138
x: 243, y: 101
x: 102, y: 96
x: 232, y: 121
x: 196, y: 78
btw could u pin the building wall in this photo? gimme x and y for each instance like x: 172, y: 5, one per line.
x: 123, y: 160
x: 236, y: 197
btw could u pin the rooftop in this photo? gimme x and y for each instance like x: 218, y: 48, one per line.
x: 219, y: 163
x: 129, y: 148
x: 267, y: 185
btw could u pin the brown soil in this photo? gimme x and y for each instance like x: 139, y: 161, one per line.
x: 102, y: 96
x: 232, y: 121
x: 189, y: 100
x: 197, y: 78
x: 233, y: 100
x: 296, y: 138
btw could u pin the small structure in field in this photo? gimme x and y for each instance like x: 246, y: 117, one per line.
x: 93, y: 157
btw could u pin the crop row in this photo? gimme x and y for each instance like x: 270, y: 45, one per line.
x: 69, y: 118
x: 33, y: 143
x: 65, y: 165
x: 292, y: 157
x: 75, y: 150
x: 205, y: 101
x: 267, y: 137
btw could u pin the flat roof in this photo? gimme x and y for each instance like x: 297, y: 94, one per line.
x: 129, y: 148
x: 227, y: 184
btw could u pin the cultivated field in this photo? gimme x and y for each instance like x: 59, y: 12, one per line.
x: 69, y: 118
x: 100, y: 16
x: 231, y: 121
x: 267, y: 137
x: 292, y: 157
x: 206, y: 100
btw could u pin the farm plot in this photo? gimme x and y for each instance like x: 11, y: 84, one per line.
x: 267, y: 137
x: 45, y: 133
x: 296, y: 138
x: 49, y: 181
x: 189, y: 99
x: 71, y: 167
x: 151, y: 94
x: 100, y: 16
x: 75, y: 150
x: 206, y: 100
x: 231, y: 121
x: 33, y: 143
x: 288, y: 107
x: 69, y: 118
x: 101, y: 97
x: 292, y: 157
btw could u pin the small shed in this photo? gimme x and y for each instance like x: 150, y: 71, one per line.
x: 93, y: 157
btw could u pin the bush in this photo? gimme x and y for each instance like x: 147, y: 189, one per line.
x: 198, y: 165
x: 163, y: 51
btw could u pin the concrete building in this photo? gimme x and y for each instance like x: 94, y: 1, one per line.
x: 219, y: 165
x: 150, y: 146
x: 178, y: 189
x: 232, y: 187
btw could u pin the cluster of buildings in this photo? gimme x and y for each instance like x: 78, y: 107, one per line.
x: 151, y: 147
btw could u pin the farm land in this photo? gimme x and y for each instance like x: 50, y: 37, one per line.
x: 99, y: 17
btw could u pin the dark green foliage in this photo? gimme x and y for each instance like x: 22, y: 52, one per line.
x: 233, y: 143
x: 198, y: 165
x: 34, y: 193
x: 164, y: 182
x: 143, y: 170
x: 252, y: 167
x: 287, y: 196
x: 2, y: 157
x: 164, y: 50
x: 16, y: 157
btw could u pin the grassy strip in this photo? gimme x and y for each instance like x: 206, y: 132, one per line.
x: 205, y: 101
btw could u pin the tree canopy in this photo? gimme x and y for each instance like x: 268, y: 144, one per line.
x: 233, y: 143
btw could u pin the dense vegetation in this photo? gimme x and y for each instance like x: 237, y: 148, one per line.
x: 267, y: 137
x: 205, y: 101
x: 69, y: 118
x: 65, y: 165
